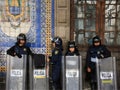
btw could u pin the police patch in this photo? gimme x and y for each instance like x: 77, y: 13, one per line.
x: 56, y: 52
x: 25, y: 49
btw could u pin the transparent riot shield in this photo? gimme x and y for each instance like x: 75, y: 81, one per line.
x: 16, y: 69
x: 106, y: 74
x: 72, y: 73
x: 40, y: 79
x: 29, y: 75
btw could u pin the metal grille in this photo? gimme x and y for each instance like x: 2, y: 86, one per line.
x: 101, y: 17
x: 85, y: 20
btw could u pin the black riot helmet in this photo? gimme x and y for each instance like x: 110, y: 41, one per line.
x: 57, y: 41
x: 96, y: 39
x: 21, y: 36
x: 71, y: 44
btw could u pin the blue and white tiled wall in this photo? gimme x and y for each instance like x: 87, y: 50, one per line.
x: 24, y: 16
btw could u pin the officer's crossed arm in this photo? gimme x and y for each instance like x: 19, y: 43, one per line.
x: 11, y: 51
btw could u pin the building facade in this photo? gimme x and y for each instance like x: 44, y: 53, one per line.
x: 77, y: 20
x: 80, y: 20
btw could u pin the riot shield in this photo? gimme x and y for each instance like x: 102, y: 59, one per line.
x: 106, y: 74
x: 16, y: 69
x: 72, y: 72
x: 40, y: 79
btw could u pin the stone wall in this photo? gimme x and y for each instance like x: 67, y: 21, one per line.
x: 62, y: 19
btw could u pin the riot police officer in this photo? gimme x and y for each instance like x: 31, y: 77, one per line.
x: 72, y: 49
x: 18, y: 50
x: 95, y: 51
x: 20, y: 47
x: 56, y: 62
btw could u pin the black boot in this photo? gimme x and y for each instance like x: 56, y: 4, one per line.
x: 96, y: 86
x: 93, y: 86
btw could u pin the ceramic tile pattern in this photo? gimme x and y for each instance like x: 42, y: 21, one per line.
x: 29, y: 17
x: 32, y: 22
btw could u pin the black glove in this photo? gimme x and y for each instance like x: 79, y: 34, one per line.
x: 19, y: 55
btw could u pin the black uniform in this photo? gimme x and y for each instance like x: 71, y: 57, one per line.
x: 56, y: 59
x: 71, y: 44
x: 18, y: 50
x: 56, y: 67
x: 95, y: 52
x: 76, y: 53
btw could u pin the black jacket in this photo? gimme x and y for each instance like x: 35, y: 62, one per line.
x: 56, y: 56
x: 17, y: 50
x: 76, y: 53
x: 96, y: 52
